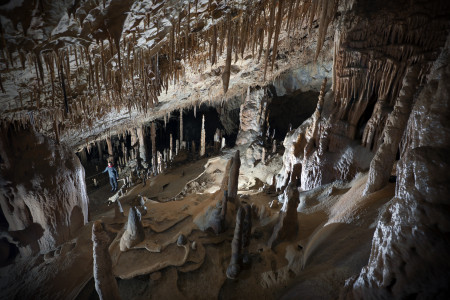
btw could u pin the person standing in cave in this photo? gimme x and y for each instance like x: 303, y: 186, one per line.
x: 113, y: 176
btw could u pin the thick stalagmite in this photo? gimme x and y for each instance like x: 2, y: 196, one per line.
x: 142, y: 146
x: 134, y: 232
x: 287, y: 224
x: 234, y: 267
x: 233, y: 179
x: 203, y: 138
x: 105, y: 283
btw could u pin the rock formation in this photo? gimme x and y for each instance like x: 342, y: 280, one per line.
x: 43, y: 193
x: 236, y: 246
x: 105, y: 282
x: 287, y: 223
x: 134, y: 232
x: 233, y: 179
x: 410, y: 245
x: 203, y: 138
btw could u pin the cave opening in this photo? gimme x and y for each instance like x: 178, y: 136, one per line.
x: 290, y: 111
x: 192, y: 126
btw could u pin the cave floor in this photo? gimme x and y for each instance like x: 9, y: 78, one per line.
x: 333, y: 242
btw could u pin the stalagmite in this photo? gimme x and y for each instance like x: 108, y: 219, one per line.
x: 274, y: 146
x: 171, y: 147
x: 142, y: 146
x: 100, y: 151
x: 153, y: 137
x: 177, y: 146
x: 263, y: 156
x: 110, y: 148
x: 234, y: 267
x: 223, y: 144
x: 246, y: 234
x: 118, y: 210
x: 134, y: 232
x: 234, y: 177
x: 287, y: 224
x: 203, y: 138
x: 181, y: 126
x: 105, y: 283
x: 217, y: 141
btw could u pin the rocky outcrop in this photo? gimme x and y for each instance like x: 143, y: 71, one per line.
x: 42, y: 190
x: 410, y: 248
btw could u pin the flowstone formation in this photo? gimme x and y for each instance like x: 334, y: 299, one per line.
x: 410, y: 246
x: 42, y: 190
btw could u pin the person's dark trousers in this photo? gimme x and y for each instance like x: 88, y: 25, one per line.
x: 113, y: 183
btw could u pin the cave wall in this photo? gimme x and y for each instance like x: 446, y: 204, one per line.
x: 42, y: 190
x: 410, y: 249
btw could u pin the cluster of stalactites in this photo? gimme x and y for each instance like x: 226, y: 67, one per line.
x: 371, y: 60
x: 78, y: 84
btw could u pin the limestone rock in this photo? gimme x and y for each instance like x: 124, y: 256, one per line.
x: 134, y: 232
x: 105, y: 283
x: 42, y: 191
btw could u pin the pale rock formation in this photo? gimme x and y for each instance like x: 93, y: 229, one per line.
x: 142, y: 146
x: 252, y: 116
x: 134, y: 232
x: 203, y: 138
x: 42, y: 190
x: 105, y: 283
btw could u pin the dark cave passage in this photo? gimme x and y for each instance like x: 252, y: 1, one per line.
x: 290, y: 111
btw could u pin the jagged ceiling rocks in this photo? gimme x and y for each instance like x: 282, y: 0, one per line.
x: 96, y: 64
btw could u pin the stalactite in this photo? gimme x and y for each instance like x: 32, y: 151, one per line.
x: 269, y: 37
x: 110, y: 148
x: 227, y: 70
x: 277, y: 32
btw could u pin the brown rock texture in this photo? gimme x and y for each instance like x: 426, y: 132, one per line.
x: 42, y: 189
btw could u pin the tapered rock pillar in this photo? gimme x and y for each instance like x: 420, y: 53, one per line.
x: 234, y: 268
x: 153, y: 136
x: 100, y: 150
x: 287, y: 224
x: 142, y: 146
x: 203, y: 139
x: 181, y: 126
x: 134, y: 232
x: 110, y: 148
x: 234, y: 177
x: 105, y: 282
x: 171, y: 148
x: 83, y: 157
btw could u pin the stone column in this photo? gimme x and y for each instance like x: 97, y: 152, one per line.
x: 181, y: 125
x: 203, y: 139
